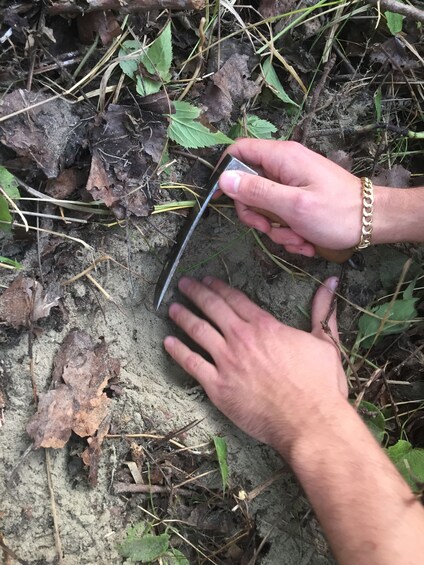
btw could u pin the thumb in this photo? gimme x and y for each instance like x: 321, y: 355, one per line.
x: 257, y: 191
x: 321, y: 306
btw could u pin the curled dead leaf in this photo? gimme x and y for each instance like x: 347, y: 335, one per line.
x: 25, y: 302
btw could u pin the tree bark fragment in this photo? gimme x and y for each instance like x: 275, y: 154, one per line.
x: 56, y: 7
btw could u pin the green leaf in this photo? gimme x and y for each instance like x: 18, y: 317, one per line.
x: 146, y: 549
x: 222, y: 454
x: 156, y: 59
x: 9, y: 184
x: 373, y: 418
x: 11, y: 262
x: 273, y: 83
x: 175, y: 557
x: 185, y: 130
x: 409, y: 462
x: 5, y: 215
x: 253, y: 127
x: 394, y: 22
x: 400, y: 310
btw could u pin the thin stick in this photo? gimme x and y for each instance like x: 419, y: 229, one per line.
x: 57, y: 540
x: 124, y: 488
x: 410, y: 12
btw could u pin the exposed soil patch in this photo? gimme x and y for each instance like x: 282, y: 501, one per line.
x: 104, y: 183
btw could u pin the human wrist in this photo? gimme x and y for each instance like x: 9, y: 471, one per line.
x: 312, y: 428
x: 398, y: 215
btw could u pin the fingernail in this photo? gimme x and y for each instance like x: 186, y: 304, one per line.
x: 229, y: 182
x: 208, y: 280
x: 332, y: 284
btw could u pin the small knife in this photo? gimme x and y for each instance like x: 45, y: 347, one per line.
x: 228, y: 163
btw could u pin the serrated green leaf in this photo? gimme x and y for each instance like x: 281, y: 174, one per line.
x: 400, y: 310
x: 9, y: 184
x: 188, y: 132
x: 373, y: 418
x: 222, y: 454
x: 11, y: 262
x: 394, y: 22
x: 409, y: 462
x: 146, y: 549
x: 156, y: 59
x: 253, y: 127
x: 175, y: 557
x: 273, y: 83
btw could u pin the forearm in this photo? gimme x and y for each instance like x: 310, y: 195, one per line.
x: 398, y: 215
x: 367, y: 511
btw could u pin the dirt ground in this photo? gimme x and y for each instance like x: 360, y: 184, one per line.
x: 375, y: 78
x: 157, y: 395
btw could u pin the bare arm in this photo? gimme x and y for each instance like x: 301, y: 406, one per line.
x: 266, y: 379
x: 364, y: 506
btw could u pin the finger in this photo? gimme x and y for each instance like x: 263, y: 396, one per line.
x: 259, y: 192
x: 306, y: 249
x: 239, y: 302
x: 251, y: 218
x: 285, y: 236
x: 211, y: 304
x: 199, y: 330
x: 321, y: 307
x: 193, y: 363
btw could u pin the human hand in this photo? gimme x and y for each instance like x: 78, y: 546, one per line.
x: 271, y: 380
x: 320, y: 201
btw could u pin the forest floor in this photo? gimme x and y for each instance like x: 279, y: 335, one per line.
x: 110, y: 125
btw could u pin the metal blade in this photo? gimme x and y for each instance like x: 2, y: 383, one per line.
x: 229, y: 163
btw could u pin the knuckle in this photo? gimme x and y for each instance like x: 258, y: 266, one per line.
x: 193, y: 363
x: 209, y: 302
x: 198, y: 329
x: 257, y: 188
x: 304, y: 204
x: 293, y: 147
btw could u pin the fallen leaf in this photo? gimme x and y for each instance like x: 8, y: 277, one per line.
x: 341, y: 158
x: 270, y: 8
x: 50, y: 134
x: 77, y: 403
x: 91, y: 455
x: 396, y: 177
x: 394, y: 52
x: 64, y: 185
x: 126, y: 146
x: 103, y: 23
x: 230, y: 86
x: 25, y: 302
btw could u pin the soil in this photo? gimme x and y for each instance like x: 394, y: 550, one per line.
x: 153, y: 395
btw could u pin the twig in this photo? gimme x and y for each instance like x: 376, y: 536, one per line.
x: 74, y: 7
x: 315, y: 99
x: 410, y: 12
x: 9, y: 554
x: 124, y: 488
x: 57, y: 540
x: 355, y: 130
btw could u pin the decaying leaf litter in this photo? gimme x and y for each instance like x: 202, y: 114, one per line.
x: 104, y: 120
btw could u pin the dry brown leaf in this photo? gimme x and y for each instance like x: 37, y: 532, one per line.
x: 50, y: 134
x: 270, y: 8
x: 91, y: 455
x: 77, y: 402
x: 25, y: 302
x: 231, y: 86
x: 103, y: 23
x: 396, y: 177
x: 64, y: 185
x: 126, y: 146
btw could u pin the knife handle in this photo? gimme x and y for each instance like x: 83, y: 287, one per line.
x: 334, y: 255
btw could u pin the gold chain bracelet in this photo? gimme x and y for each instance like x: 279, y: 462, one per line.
x: 367, y: 212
